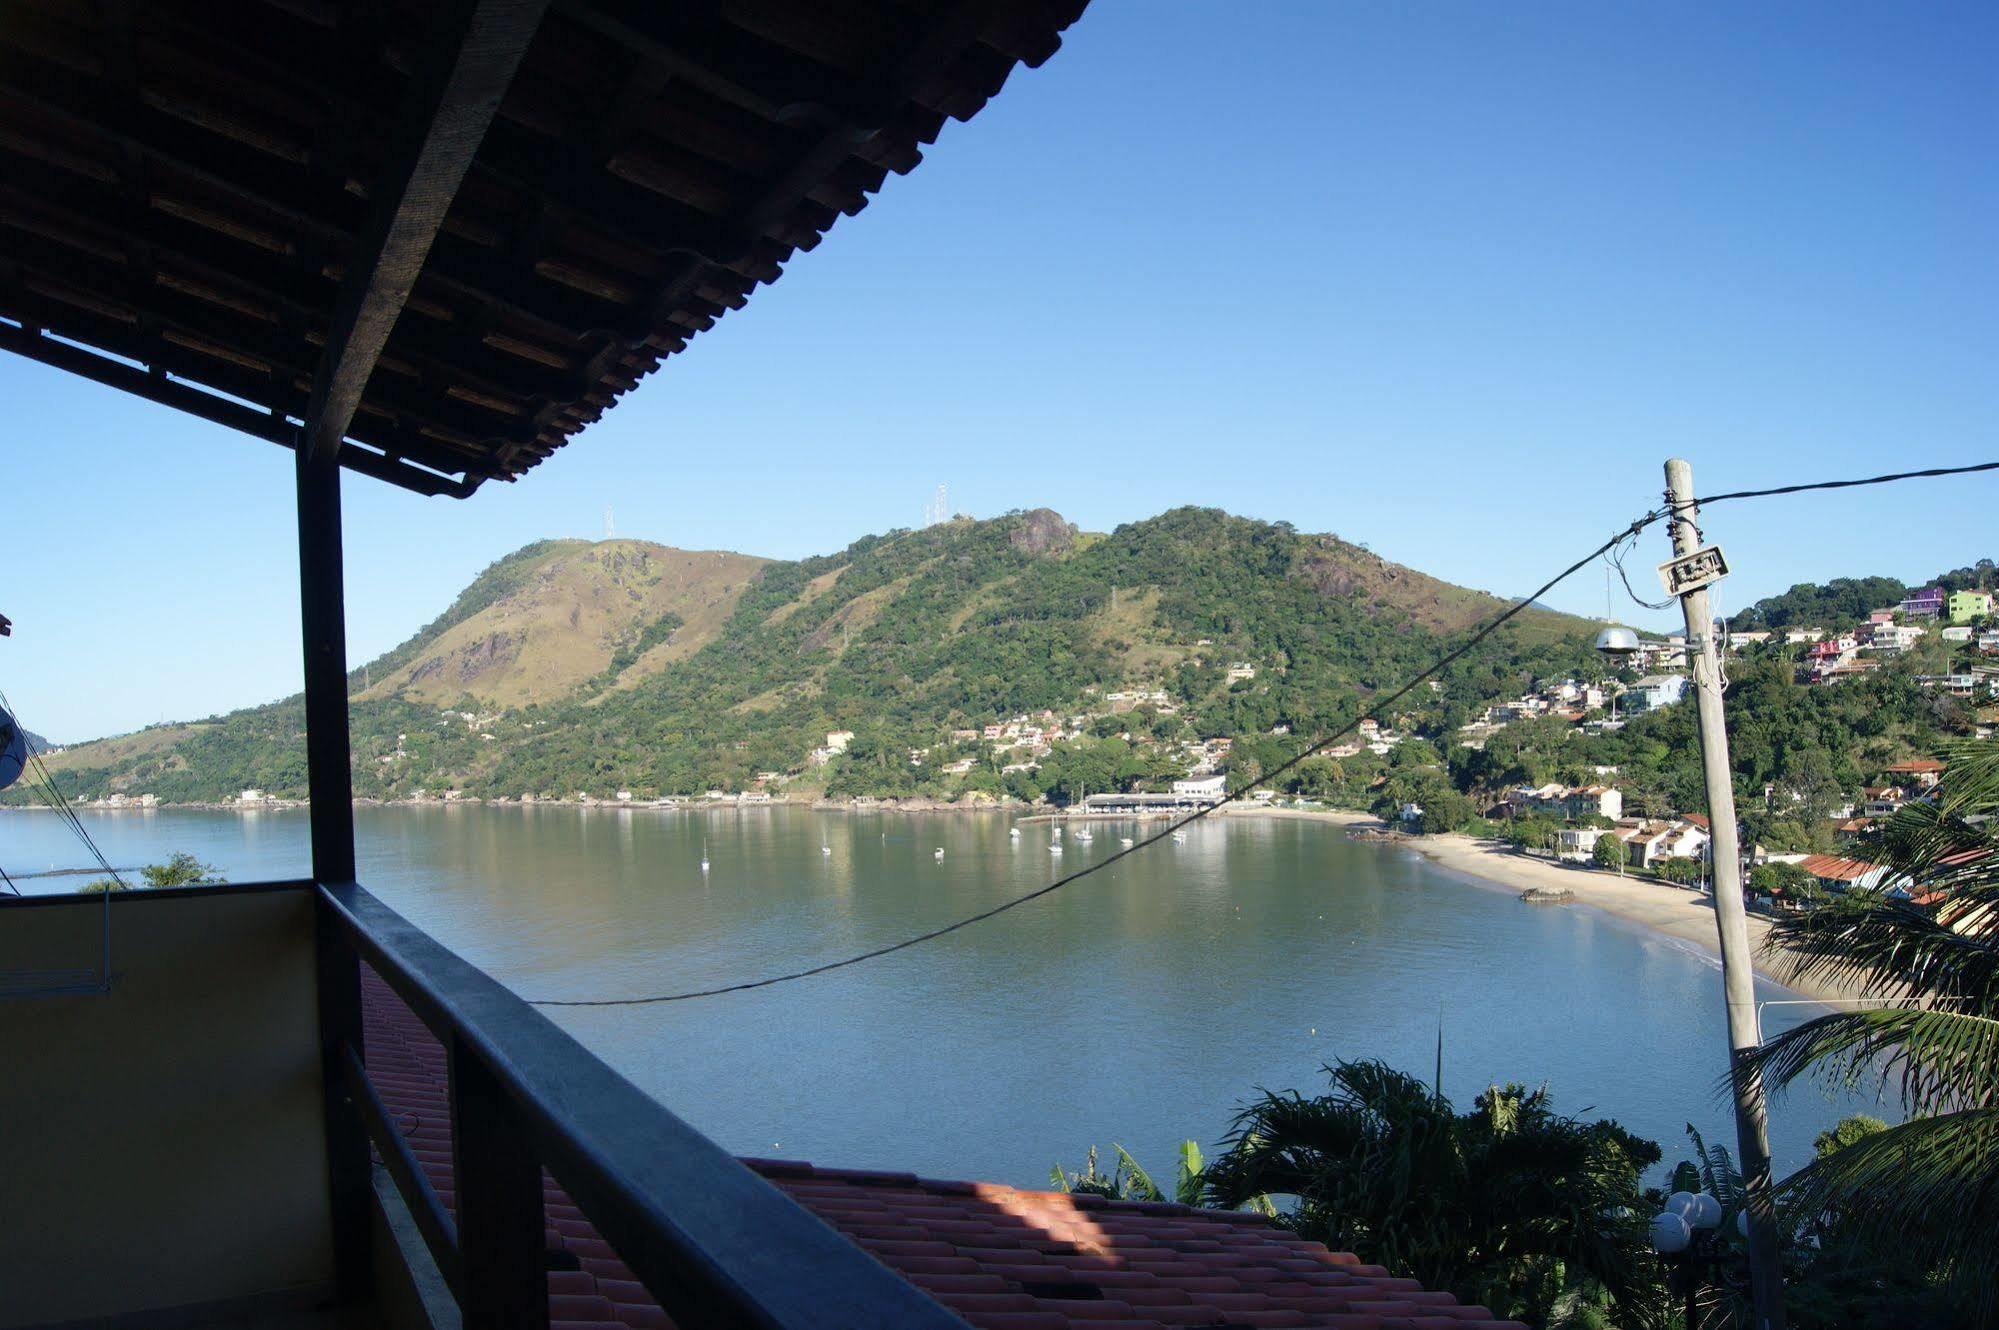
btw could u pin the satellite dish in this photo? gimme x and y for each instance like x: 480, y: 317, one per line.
x: 13, y: 749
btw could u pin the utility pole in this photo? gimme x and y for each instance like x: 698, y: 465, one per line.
x: 1752, y: 1127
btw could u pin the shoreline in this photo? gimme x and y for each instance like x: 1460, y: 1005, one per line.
x: 1669, y: 911
x: 1672, y: 912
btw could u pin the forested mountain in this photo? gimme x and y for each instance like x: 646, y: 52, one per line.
x: 576, y: 667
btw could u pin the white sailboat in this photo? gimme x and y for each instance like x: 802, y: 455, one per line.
x: 1179, y: 838
x: 1124, y: 841
x: 704, y: 854
x: 1083, y: 835
x: 939, y: 855
x: 1055, y: 847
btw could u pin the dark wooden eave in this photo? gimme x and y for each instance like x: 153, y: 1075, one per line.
x: 456, y: 88
x: 227, y: 206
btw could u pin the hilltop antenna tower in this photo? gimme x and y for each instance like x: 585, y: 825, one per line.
x: 610, y: 528
x: 939, y: 507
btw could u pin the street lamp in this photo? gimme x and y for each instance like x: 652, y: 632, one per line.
x: 1617, y: 646
x: 1684, y: 1236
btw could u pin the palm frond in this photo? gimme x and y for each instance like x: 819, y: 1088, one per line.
x: 1719, y: 1177
x: 1879, y: 942
x: 1927, y: 1189
x: 1935, y: 1060
x: 1187, y: 1189
x: 1139, y: 1185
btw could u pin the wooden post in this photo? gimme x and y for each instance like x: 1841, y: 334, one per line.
x: 323, y: 618
x: 502, y: 1237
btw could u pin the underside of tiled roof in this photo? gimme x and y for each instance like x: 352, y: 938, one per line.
x: 186, y: 184
x: 1000, y: 1257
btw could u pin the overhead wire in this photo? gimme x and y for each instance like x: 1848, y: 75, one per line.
x: 1615, y: 558
x: 1929, y: 473
x: 43, y: 783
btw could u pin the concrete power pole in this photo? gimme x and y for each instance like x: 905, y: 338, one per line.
x: 1752, y: 1127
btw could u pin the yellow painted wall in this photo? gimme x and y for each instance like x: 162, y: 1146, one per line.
x: 162, y: 1145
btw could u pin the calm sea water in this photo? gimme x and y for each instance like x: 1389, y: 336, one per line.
x: 1139, y: 1006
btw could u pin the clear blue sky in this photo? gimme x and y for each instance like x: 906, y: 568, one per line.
x: 1448, y: 278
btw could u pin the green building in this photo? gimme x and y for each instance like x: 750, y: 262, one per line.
x: 1968, y: 605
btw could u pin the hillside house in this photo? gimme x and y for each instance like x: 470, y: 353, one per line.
x: 1964, y: 606
x: 1837, y: 874
x: 1925, y: 604
x: 1882, y: 800
x: 1922, y: 772
x: 1605, y: 801
x: 1655, y: 691
x: 1893, y: 638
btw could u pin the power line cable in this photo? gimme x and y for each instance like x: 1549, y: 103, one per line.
x: 1437, y: 666
x: 1616, y: 559
x: 43, y: 783
x: 1928, y: 474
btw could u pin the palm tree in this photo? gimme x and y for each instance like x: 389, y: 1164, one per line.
x: 1511, y: 1205
x: 1928, y: 1189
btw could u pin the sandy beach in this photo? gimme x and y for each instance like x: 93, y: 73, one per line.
x: 1674, y: 911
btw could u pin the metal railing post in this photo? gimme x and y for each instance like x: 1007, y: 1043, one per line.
x: 502, y: 1242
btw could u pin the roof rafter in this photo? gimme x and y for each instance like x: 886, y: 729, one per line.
x: 449, y: 106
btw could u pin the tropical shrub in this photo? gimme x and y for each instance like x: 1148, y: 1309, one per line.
x: 1512, y: 1204
x: 1926, y: 1190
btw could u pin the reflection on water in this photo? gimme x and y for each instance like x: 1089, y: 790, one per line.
x: 1139, y: 1005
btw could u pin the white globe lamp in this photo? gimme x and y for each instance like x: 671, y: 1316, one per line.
x: 1671, y: 1234
x: 1706, y: 1212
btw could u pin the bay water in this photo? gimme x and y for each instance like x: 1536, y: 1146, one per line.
x: 1140, y: 1006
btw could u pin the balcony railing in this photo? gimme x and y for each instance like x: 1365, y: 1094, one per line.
x: 715, y: 1244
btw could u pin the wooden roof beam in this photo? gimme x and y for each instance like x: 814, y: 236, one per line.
x: 168, y: 392
x: 450, y: 104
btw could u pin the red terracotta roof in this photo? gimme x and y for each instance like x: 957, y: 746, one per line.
x: 1835, y: 869
x: 1001, y: 1257
x: 1919, y: 767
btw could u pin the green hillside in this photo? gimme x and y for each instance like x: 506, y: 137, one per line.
x: 575, y: 667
